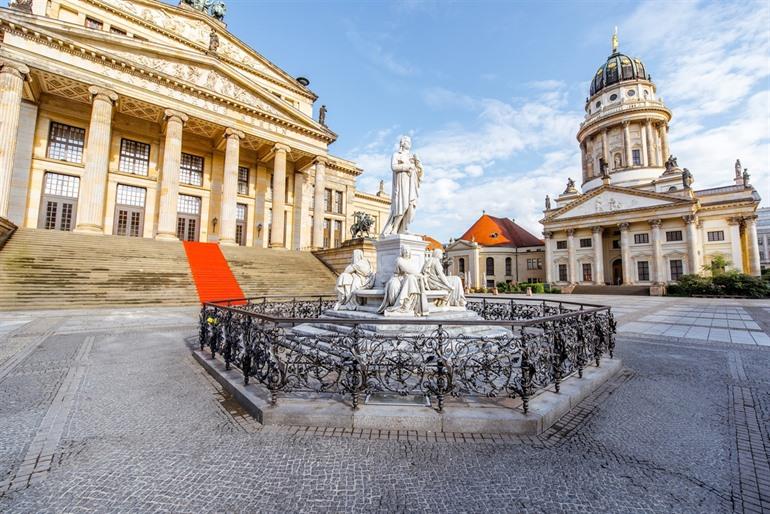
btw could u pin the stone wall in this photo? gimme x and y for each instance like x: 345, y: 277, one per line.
x: 338, y: 258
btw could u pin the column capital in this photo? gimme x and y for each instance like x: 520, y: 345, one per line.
x: 624, y: 226
x: 597, y: 230
x: 626, y: 123
x: 321, y: 159
x: 752, y: 218
x: 234, y: 133
x: 102, y: 93
x: 280, y: 147
x: 655, y: 223
x: 548, y: 234
x: 17, y: 69
x: 170, y: 114
x: 734, y: 220
x: 570, y: 232
x: 690, y: 218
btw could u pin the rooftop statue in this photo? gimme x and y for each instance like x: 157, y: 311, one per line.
x: 214, y: 8
x: 746, y: 177
x: 407, y: 175
x: 570, y: 187
x: 322, y: 115
x: 687, y: 179
x: 738, y: 168
x: 671, y: 164
x: 548, y: 202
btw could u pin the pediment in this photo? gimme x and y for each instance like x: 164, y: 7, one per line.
x: 608, y: 200
x: 460, y: 244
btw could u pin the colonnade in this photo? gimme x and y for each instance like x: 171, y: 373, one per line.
x: 91, y: 201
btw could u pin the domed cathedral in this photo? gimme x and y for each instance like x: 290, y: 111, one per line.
x: 638, y: 220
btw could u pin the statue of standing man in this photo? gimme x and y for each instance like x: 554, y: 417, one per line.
x: 407, y: 175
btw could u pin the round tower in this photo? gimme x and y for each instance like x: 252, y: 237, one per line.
x: 625, y: 130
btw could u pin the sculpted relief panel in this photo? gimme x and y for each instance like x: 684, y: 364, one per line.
x: 612, y: 201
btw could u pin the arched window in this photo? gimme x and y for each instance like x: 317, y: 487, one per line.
x: 508, y: 270
x: 461, y: 265
x: 490, y: 266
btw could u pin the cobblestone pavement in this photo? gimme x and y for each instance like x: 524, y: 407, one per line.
x: 107, y: 411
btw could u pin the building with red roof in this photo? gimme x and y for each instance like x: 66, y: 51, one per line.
x: 495, y: 250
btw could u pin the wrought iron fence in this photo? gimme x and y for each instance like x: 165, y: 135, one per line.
x: 288, y: 345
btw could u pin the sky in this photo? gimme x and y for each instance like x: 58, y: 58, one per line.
x: 493, y: 92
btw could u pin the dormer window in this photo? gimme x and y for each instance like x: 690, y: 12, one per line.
x: 494, y: 235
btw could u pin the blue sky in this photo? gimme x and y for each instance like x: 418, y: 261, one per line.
x: 493, y: 92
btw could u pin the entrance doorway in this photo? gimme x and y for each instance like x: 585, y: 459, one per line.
x: 59, y: 204
x: 188, y: 218
x: 129, y: 211
x: 617, y: 272
x: 240, y: 224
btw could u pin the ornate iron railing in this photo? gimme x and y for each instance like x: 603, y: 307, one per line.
x: 287, y: 345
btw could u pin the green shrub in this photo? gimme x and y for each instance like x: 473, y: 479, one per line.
x: 538, y: 288
x: 729, y: 283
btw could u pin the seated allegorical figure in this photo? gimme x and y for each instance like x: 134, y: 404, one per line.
x: 436, y: 280
x: 357, y: 275
x: 405, y: 291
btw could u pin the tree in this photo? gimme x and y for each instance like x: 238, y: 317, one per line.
x: 717, y: 266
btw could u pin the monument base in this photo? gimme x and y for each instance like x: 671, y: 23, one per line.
x: 389, y: 250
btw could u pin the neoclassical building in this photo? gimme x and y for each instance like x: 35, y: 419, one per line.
x: 144, y: 119
x: 495, y: 250
x: 637, y: 219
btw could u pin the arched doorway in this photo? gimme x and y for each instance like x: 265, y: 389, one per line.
x: 617, y: 272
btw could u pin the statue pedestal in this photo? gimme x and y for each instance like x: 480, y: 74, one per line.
x: 389, y: 249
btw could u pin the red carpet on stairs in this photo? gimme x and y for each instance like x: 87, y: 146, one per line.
x: 211, y: 273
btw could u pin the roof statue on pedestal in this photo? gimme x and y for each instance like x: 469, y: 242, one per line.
x: 547, y: 202
x: 687, y: 179
x: 738, y: 168
x: 671, y: 164
x: 214, y: 8
x: 746, y: 177
x: 570, y: 187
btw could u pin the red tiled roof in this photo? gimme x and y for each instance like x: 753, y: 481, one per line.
x: 432, y: 243
x: 491, y: 231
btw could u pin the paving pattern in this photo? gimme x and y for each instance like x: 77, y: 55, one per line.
x: 107, y: 411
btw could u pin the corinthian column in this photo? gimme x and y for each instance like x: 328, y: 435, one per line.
x: 279, y: 195
x: 645, y: 160
x: 659, y: 276
x: 598, y: 256
x: 90, y: 219
x: 625, y: 254
x: 753, y: 246
x: 692, y: 243
x: 318, y: 202
x: 169, y: 185
x: 663, y: 129
x: 651, y: 145
x: 12, y: 77
x: 735, y: 243
x: 548, y: 238
x: 230, y: 186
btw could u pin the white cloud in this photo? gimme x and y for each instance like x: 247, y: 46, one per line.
x: 378, y: 55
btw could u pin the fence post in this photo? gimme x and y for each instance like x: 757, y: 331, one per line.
x: 441, y: 380
x: 525, y: 373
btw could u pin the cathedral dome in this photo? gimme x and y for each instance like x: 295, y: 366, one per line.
x: 618, y: 68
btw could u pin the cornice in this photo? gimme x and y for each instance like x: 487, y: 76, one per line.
x: 373, y: 197
x: 104, y: 59
x: 659, y: 112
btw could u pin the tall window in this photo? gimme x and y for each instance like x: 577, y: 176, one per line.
x: 243, y: 180
x: 338, y: 202
x: 327, y: 200
x: 641, y: 239
x: 561, y: 245
x: 461, y: 265
x: 66, y: 142
x: 716, y: 235
x: 636, y: 155
x: 676, y: 269
x: 508, y: 266
x: 585, y: 242
x: 643, y: 271
x: 327, y: 233
x: 134, y: 157
x: 189, y: 204
x: 191, y: 170
x: 540, y: 264
x: 674, y: 235
x: 61, y: 185
x: 562, y: 272
x: 587, y: 272
x: 240, y: 224
x: 490, y: 266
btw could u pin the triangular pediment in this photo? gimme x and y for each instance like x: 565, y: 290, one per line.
x: 608, y: 200
x: 189, y: 67
x: 460, y: 244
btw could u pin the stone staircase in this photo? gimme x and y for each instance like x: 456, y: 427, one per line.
x: 47, y: 269
x: 613, y: 290
x: 260, y: 271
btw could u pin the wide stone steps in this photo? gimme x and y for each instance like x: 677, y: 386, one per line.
x: 45, y: 269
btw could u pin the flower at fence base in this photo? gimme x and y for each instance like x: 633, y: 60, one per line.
x: 212, y: 320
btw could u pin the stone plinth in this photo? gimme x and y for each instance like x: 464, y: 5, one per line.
x: 388, y: 250
x: 337, y: 259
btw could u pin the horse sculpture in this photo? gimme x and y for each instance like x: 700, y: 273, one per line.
x: 362, y: 224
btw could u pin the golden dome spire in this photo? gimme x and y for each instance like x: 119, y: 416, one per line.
x: 615, y: 40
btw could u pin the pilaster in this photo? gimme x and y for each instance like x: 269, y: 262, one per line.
x: 12, y: 77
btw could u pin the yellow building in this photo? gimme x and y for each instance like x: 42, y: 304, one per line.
x: 143, y: 119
